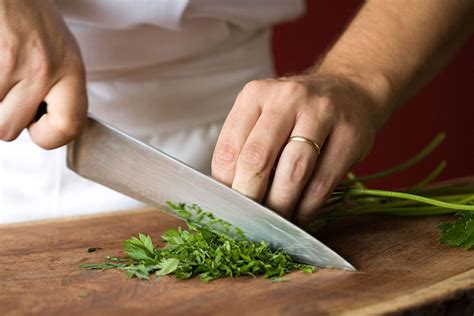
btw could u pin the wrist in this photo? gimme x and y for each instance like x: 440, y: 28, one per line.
x: 376, y: 85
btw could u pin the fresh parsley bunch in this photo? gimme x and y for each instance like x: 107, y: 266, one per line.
x: 211, y: 248
x: 419, y: 200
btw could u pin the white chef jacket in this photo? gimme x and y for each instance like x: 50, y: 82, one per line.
x: 164, y: 71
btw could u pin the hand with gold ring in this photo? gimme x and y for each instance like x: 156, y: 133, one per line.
x: 310, y: 130
x: 317, y: 148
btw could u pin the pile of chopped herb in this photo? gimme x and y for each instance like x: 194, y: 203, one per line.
x: 210, y: 248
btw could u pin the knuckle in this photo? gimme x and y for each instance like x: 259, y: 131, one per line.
x: 293, y: 88
x: 350, y: 131
x: 253, y: 85
x: 225, y: 154
x: 255, y: 156
x: 322, y: 187
x: 297, y: 169
x: 276, y: 110
x: 326, y: 108
x: 357, y: 137
x: 326, y: 103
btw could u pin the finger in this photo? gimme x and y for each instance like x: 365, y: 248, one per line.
x: 338, y: 156
x: 19, y: 107
x: 67, y: 110
x: 296, y: 163
x: 261, y: 149
x: 237, y: 126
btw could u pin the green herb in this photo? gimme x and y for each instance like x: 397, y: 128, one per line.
x: 211, y: 248
x: 100, y: 266
x: 425, y: 152
x: 167, y: 266
x: 459, y: 233
x: 419, y: 200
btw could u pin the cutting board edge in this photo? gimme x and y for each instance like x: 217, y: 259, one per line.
x: 438, y: 292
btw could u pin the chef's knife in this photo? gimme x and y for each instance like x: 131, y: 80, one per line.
x: 116, y: 160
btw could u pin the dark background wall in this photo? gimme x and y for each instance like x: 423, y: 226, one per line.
x: 446, y: 104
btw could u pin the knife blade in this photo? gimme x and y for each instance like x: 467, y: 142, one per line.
x: 110, y: 157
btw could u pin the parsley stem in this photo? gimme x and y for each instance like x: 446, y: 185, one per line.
x: 414, y: 210
x: 404, y: 165
x: 357, y: 184
x: 412, y: 197
x: 369, y: 200
x: 433, y: 175
x: 467, y: 199
x: 459, y: 188
x: 431, y: 212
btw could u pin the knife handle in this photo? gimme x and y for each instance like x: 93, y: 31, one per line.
x: 42, y: 110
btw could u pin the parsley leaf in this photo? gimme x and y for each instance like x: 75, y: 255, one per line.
x: 100, y: 266
x: 139, y: 248
x: 211, y: 248
x: 459, y: 233
x: 136, y: 270
x: 167, y: 266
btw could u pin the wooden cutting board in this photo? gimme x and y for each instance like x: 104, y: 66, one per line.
x: 402, y: 269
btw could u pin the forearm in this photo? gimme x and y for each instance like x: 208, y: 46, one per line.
x: 392, y: 48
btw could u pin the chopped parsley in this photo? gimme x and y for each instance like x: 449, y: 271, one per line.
x: 210, y: 248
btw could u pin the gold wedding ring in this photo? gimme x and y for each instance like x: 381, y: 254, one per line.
x: 306, y: 140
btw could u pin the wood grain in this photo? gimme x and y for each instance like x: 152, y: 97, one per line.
x: 402, y: 269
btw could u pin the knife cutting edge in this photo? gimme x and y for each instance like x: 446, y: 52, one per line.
x: 105, y: 155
